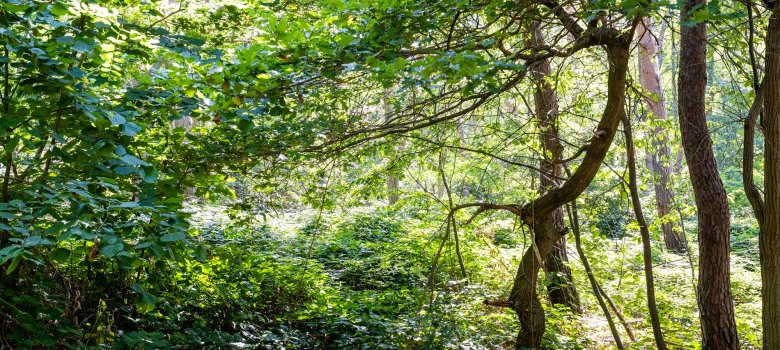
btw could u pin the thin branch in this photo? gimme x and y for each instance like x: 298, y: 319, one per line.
x: 181, y: 8
x: 484, y: 153
x: 451, y: 217
x: 748, y: 182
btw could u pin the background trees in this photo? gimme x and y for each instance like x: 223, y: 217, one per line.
x: 208, y: 173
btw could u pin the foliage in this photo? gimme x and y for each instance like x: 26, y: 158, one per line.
x: 210, y: 174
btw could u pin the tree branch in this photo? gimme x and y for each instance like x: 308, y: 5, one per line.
x: 748, y: 182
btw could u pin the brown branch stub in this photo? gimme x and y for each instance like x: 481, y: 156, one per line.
x: 499, y: 303
x: 484, y: 206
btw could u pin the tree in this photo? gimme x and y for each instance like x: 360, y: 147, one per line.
x: 560, y: 286
x: 393, y: 182
x: 658, y: 159
x: 460, y: 94
x: 523, y: 295
x: 647, y: 255
x: 575, y: 223
x: 766, y: 208
x: 186, y: 122
x: 719, y: 329
x: 769, y: 241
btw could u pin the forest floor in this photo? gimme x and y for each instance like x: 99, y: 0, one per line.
x: 361, y: 279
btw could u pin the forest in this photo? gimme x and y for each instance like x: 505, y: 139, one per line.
x: 389, y: 174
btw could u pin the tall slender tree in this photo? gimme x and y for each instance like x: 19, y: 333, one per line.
x: 560, y: 288
x: 658, y: 158
x: 393, y: 182
x: 647, y: 255
x: 716, y: 306
x: 766, y: 209
x: 575, y: 223
x: 769, y: 241
x: 186, y: 122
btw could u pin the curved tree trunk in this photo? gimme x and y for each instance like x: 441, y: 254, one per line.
x: 719, y: 329
x: 560, y: 288
x: 523, y: 296
x: 660, y: 152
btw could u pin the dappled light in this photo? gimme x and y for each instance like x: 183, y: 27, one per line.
x: 389, y: 174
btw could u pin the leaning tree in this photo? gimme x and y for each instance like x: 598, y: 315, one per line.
x: 449, y: 60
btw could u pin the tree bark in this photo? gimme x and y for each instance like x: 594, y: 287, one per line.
x: 523, y: 296
x: 560, y: 287
x: 716, y: 306
x: 393, y: 184
x: 769, y: 239
x: 647, y: 255
x: 660, y: 151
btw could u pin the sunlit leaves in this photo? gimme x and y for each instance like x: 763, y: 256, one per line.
x: 144, y: 300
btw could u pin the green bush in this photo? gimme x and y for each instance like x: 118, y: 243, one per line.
x: 372, y: 252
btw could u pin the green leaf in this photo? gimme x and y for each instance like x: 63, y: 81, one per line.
x: 174, y: 236
x: 58, y: 9
x: 60, y: 255
x: 127, y: 205
x: 67, y: 39
x: 14, y: 264
x: 83, y: 47
x: 132, y: 160
x: 79, y: 192
x: 10, y: 252
x: 112, y: 250
x: 131, y: 129
x: 149, y: 175
x: 76, y: 72
x: 15, y: 7
x: 117, y: 119
x: 35, y: 240
x: 144, y: 301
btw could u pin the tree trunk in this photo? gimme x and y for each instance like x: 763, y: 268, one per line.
x: 523, y: 296
x: 186, y: 122
x: 660, y: 152
x: 716, y: 307
x: 466, y: 186
x: 575, y: 224
x: 617, y: 312
x: 524, y: 299
x: 560, y: 288
x: 769, y: 240
x: 647, y: 255
x: 393, y: 183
